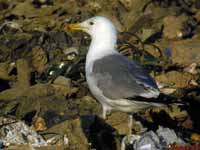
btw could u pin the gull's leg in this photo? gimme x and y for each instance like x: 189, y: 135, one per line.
x: 123, y: 143
x: 130, y: 124
x: 128, y: 138
x: 106, y: 110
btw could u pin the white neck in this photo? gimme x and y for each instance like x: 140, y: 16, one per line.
x: 101, y: 45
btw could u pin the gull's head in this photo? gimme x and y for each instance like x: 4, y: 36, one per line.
x: 96, y: 27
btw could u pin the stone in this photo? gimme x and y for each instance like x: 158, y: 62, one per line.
x: 197, y: 16
x: 192, y: 68
x: 4, y: 74
x: 195, y: 137
x: 39, y: 59
x: 185, y: 52
x: 174, y: 79
x: 127, y: 3
x: 39, y: 124
x: 119, y: 121
x: 73, y: 131
x: 61, y: 80
x: 64, y: 86
x: 173, y: 27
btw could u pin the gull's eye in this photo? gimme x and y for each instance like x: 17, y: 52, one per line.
x: 91, y: 23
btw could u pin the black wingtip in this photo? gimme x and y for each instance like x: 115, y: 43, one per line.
x: 163, y: 99
x: 168, y: 100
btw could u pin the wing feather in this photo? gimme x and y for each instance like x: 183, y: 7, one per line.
x: 118, y: 77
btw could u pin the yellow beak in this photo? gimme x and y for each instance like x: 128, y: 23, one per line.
x: 73, y: 27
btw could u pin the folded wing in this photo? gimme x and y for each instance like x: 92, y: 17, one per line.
x: 118, y: 77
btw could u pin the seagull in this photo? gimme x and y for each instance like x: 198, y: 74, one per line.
x: 114, y: 80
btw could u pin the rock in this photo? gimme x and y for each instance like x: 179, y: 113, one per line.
x: 176, y: 113
x: 185, y: 52
x: 39, y: 124
x: 61, y: 80
x: 4, y: 74
x: 28, y: 10
x: 89, y: 106
x: 29, y: 147
x: 146, y: 33
x: 188, y: 123
x: 39, y: 59
x: 71, y: 53
x: 195, y: 137
x: 174, y: 79
x: 53, y: 140
x: 50, y: 108
x: 23, y: 73
x: 129, y: 18
x: 194, y: 83
x: 33, y: 91
x: 167, y: 91
x: 173, y: 27
x: 64, y: 90
x: 119, y: 121
x: 197, y: 16
x: 11, y: 26
x: 59, y: 39
x: 64, y: 86
x: 153, y: 51
x: 73, y: 131
x: 94, y: 6
x: 192, y: 68
x: 70, y: 50
x: 15, y: 46
x: 127, y: 3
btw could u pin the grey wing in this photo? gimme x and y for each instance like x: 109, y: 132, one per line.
x: 118, y: 77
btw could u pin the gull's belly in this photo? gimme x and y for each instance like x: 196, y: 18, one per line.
x: 96, y: 91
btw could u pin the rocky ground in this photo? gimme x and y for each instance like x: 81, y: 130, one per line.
x: 45, y: 103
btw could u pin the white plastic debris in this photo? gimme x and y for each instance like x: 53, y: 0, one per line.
x: 148, y: 141
x: 161, y: 139
x: 20, y: 133
x: 168, y: 136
